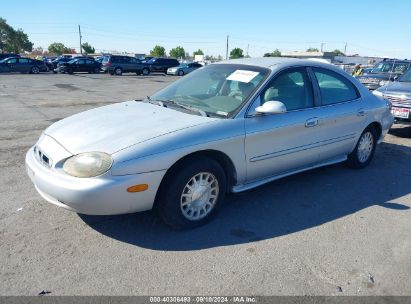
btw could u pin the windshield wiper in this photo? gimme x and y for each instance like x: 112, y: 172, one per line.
x: 163, y: 103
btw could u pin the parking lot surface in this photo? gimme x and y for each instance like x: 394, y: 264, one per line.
x: 331, y: 231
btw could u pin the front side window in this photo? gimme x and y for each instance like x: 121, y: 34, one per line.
x: 80, y: 61
x: 218, y: 89
x: 292, y: 87
x: 334, y: 88
x: 406, y: 77
x: 400, y: 68
x: 13, y: 60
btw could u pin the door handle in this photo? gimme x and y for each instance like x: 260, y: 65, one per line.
x: 312, y: 122
x: 361, y: 112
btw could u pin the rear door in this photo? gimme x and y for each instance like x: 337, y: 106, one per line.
x: 341, y: 113
x: 23, y: 65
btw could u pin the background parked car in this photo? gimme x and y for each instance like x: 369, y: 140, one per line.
x: 162, y: 64
x: 399, y: 94
x: 184, y: 68
x: 383, y: 72
x: 117, y: 65
x: 52, y: 64
x: 79, y: 65
x: 23, y: 65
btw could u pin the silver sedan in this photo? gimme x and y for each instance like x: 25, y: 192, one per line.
x: 227, y: 127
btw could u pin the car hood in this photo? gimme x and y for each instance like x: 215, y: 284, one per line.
x: 118, y: 126
x: 398, y: 87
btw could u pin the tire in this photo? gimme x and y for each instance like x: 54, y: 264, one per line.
x: 35, y: 70
x: 54, y: 72
x: 118, y: 71
x: 364, y: 151
x: 146, y: 72
x: 69, y: 71
x: 174, y: 204
x: 180, y: 73
x: 96, y: 71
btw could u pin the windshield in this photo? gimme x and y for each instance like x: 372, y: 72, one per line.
x: 390, y: 67
x: 382, y: 68
x: 406, y: 77
x: 217, y: 90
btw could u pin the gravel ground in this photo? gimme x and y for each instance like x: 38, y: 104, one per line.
x: 331, y: 231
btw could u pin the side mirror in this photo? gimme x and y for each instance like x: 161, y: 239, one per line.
x: 271, y: 107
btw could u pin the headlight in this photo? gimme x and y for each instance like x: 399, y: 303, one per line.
x: 383, y: 82
x: 88, y: 164
x: 377, y: 93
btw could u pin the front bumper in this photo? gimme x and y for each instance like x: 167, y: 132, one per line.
x: 103, y: 195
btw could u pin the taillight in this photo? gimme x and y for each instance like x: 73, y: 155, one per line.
x: 108, y: 64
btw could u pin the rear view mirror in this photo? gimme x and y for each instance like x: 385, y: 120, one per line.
x: 272, y: 107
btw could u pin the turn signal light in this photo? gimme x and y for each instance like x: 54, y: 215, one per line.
x: 137, y: 188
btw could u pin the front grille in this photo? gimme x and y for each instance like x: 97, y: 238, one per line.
x: 398, y: 100
x: 42, y: 158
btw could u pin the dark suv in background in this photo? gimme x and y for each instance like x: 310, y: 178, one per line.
x: 117, y: 65
x: 384, y: 72
x: 161, y: 65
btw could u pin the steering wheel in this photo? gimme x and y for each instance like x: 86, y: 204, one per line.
x: 237, y: 94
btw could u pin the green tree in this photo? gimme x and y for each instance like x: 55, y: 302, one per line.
x: 87, y: 48
x: 198, y: 52
x: 178, y: 52
x: 337, y: 52
x: 158, y: 51
x: 12, y: 40
x: 311, y: 49
x: 275, y: 53
x: 58, y: 48
x: 236, y: 53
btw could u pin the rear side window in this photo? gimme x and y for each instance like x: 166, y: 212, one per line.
x: 23, y: 60
x: 334, y: 88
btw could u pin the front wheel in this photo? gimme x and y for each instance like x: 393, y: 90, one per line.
x: 180, y: 73
x: 364, y: 150
x: 192, y: 194
x: 146, y: 72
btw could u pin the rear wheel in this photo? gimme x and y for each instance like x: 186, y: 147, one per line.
x: 35, y: 70
x: 146, y: 72
x: 118, y: 71
x: 180, y: 73
x: 364, y: 150
x: 96, y: 71
x: 192, y: 193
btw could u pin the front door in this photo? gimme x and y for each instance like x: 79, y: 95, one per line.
x: 280, y: 143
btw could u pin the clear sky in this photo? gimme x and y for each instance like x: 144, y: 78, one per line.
x: 374, y: 28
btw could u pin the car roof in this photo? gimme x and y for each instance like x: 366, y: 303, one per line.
x: 272, y: 62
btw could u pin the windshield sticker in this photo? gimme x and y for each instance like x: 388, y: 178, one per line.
x: 242, y: 76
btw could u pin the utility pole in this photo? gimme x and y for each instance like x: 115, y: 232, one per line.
x: 322, y: 45
x: 345, y: 48
x: 79, y: 34
x: 226, y: 52
x: 248, y: 47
